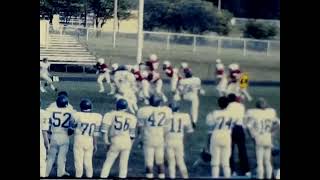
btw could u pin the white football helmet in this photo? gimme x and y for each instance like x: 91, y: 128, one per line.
x: 184, y: 65
x: 115, y: 66
x: 153, y: 57
x: 234, y: 66
x: 167, y: 63
x: 218, y: 61
x: 219, y: 66
x: 101, y: 60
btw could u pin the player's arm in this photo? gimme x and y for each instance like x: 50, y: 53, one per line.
x: 140, y: 124
x: 72, y: 125
x: 45, y: 139
x: 96, y: 134
x: 45, y: 132
x: 105, y: 127
x: 275, y: 124
x: 248, y: 120
x: 210, y: 121
x: 201, y: 90
x: 189, y: 126
x: 132, y: 129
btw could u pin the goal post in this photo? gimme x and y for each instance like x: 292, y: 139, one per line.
x: 44, y: 33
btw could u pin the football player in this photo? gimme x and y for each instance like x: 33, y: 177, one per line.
x: 44, y: 141
x: 60, y: 118
x: 233, y: 86
x: 152, y: 120
x: 118, y: 128
x: 86, y: 127
x: 126, y: 87
x: 261, y: 123
x: 173, y: 74
x: 238, y: 136
x: 189, y: 88
x: 103, y: 73
x: 220, y: 123
x: 221, y: 78
x: 174, y: 140
x: 44, y: 74
x: 156, y: 84
x: 143, y: 85
x: 153, y: 62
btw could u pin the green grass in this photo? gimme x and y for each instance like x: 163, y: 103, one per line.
x: 258, y: 65
x: 103, y: 103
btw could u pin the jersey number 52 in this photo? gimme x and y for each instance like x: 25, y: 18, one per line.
x: 58, y: 117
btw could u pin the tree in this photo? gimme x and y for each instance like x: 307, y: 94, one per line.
x: 258, y: 30
x: 186, y: 16
x: 262, y: 9
x: 67, y: 8
x: 102, y: 9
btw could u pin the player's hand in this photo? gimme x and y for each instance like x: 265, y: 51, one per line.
x: 47, y: 146
x: 202, y: 92
x: 106, y: 140
x: 140, y: 145
x: 70, y: 132
x: 95, y: 149
x: 194, y: 125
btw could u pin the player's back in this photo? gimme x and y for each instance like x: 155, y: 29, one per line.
x: 124, y: 79
x: 190, y: 85
x: 87, y: 124
x: 260, y: 121
x: 120, y: 122
x: 220, y: 123
x: 237, y: 110
x: 60, y: 119
x: 176, y: 127
x: 154, y: 119
x: 120, y: 126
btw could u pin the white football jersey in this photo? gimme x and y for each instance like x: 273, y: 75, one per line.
x: 261, y: 121
x: 154, y: 119
x: 222, y: 120
x: 60, y: 119
x: 177, y: 125
x: 124, y: 80
x: 238, y: 110
x: 190, y: 85
x: 44, y: 67
x: 119, y: 123
x: 87, y: 124
x: 44, y: 123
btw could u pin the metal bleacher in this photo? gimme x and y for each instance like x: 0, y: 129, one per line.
x: 65, y: 49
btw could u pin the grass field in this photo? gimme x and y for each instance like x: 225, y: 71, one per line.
x: 103, y: 103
